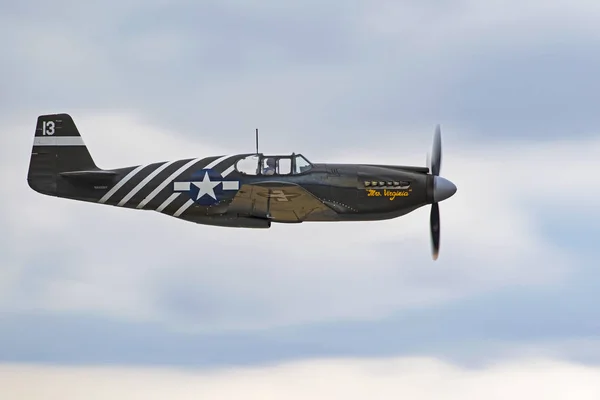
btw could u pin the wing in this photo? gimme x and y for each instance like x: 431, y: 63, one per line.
x: 280, y: 201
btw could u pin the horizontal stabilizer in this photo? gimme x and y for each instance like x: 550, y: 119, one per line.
x: 90, y: 176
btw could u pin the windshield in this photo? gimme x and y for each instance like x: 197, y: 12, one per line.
x: 301, y: 165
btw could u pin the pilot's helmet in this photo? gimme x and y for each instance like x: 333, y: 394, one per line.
x: 271, y: 162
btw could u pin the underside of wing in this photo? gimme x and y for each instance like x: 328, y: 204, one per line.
x: 280, y: 202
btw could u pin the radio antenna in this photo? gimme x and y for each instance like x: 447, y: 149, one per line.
x: 256, y: 141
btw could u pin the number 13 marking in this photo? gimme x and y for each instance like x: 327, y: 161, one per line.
x: 48, y: 128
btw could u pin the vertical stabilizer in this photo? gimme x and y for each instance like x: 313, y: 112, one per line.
x: 57, y: 147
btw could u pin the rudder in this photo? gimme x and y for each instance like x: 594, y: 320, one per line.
x: 57, y: 147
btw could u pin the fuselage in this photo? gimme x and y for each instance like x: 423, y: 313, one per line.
x: 201, y: 190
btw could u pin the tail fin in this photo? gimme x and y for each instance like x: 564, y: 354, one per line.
x: 57, y: 147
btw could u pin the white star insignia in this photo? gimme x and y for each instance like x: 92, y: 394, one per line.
x: 206, y: 186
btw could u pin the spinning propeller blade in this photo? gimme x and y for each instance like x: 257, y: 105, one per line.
x: 442, y: 190
x: 436, y: 153
x: 434, y: 222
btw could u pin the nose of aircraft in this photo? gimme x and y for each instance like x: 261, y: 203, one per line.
x: 442, y: 189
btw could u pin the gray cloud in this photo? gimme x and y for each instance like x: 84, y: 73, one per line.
x: 320, y: 73
x: 544, y: 321
x: 156, y: 80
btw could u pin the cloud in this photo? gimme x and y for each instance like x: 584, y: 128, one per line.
x: 63, y: 256
x: 516, y: 322
x: 422, y: 378
x: 149, y: 81
x: 468, y: 17
x: 311, y: 72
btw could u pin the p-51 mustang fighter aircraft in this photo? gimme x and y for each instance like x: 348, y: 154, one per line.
x: 244, y: 190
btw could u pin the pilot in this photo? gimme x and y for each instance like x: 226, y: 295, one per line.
x: 270, y: 169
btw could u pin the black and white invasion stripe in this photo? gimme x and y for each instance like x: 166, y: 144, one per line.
x: 151, y: 182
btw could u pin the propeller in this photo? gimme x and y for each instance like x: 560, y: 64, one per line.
x: 441, y: 189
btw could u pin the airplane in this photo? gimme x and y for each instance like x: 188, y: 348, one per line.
x: 250, y: 190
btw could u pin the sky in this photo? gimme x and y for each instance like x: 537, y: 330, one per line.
x: 98, y: 302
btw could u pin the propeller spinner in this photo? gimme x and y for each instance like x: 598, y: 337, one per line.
x: 442, y: 190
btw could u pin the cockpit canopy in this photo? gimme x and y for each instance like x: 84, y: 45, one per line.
x: 258, y: 164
